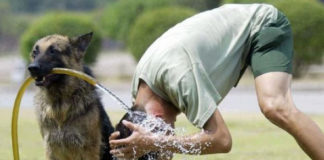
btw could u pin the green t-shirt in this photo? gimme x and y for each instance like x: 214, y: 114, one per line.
x: 195, y: 63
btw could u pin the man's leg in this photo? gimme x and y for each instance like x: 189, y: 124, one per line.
x: 275, y: 100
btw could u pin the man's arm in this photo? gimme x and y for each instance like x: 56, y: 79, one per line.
x: 214, y: 138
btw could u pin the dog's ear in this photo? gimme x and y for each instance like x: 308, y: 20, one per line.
x: 82, y: 42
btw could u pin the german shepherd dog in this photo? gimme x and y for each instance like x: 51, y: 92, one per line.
x: 72, y: 120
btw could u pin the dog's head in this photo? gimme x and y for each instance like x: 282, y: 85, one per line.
x: 56, y: 51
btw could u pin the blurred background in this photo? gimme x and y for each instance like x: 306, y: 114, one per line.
x: 123, y: 29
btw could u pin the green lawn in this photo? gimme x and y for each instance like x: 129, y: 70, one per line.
x: 254, y: 138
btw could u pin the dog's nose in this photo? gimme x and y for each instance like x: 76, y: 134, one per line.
x: 34, y: 68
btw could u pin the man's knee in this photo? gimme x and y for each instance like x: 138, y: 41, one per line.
x: 278, y: 109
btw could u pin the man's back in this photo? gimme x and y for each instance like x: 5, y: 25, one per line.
x: 204, y: 53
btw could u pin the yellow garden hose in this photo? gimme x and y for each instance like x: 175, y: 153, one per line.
x: 15, y: 112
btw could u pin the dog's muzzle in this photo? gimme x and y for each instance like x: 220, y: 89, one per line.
x: 42, y: 78
x: 34, y: 69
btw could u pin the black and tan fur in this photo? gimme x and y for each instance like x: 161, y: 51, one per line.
x: 73, y: 123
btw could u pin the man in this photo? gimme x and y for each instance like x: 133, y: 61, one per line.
x: 192, y: 66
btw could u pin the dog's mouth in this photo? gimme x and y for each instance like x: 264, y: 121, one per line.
x: 45, y: 80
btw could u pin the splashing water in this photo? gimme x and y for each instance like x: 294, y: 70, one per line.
x: 158, y: 127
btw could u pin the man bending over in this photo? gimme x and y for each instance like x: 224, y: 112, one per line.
x: 192, y: 67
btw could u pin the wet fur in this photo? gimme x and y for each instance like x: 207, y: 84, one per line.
x: 72, y: 120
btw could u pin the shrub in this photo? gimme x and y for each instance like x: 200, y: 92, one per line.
x: 306, y: 18
x: 307, y: 22
x: 199, y: 5
x: 247, y: 1
x: 151, y: 24
x: 117, y: 18
x: 61, y: 23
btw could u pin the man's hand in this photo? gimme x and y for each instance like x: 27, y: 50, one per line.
x: 136, y: 145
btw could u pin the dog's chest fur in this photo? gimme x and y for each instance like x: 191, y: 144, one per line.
x: 69, y: 120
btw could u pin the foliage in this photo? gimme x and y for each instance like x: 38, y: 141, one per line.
x: 307, y: 22
x: 32, y: 6
x: 151, y: 24
x: 199, y: 5
x: 117, y: 18
x: 247, y: 1
x: 306, y: 18
x: 69, y: 24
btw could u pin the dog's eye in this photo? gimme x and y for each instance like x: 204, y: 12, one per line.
x: 34, y: 54
x: 52, y: 50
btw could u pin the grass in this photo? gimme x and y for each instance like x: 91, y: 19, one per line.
x: 254, y: 138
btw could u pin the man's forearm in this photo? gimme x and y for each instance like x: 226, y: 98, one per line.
x: 215, y: 138
x: 199, y: 143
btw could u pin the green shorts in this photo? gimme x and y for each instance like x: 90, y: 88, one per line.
x: 272, y: 48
